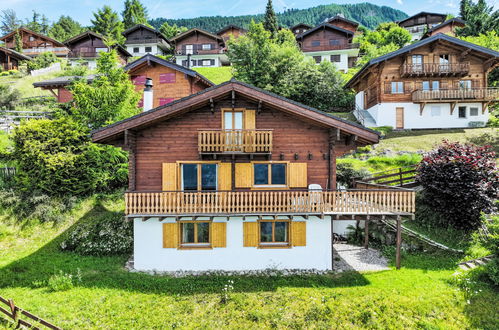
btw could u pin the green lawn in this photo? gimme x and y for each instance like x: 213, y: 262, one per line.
x: 25, y: 84
x: 216, y: 75
x: 420, y: 295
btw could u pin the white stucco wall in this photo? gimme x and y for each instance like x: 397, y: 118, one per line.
x: 216, y: 57
x: 344, y: 55
x: 150, y: 255
x: 155, y: 50
x: 385, y: 115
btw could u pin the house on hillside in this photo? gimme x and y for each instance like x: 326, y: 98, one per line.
x: 237, y: 178
x: 142, y: 40
x: 10, y: 59
x: 199, y: 48
x: 341, y: 22
x: 231, y: 30
x: 300, y: 28
x: 85, y: 48
x: 438, y: 82
x: 447, y: 27
x: 327, y: 42
x: 34, y: 43
x: 418, y: 24
x: 59, y: 86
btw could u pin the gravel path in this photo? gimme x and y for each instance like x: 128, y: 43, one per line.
x: 352, y: 257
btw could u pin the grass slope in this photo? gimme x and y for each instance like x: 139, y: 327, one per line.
x: 420, y: 295
x: 216, y: 75
x: 25, y: 84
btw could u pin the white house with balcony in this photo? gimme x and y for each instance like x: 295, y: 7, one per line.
x: 142, y: 40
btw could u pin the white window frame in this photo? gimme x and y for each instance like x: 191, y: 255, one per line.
x: 206, y: 47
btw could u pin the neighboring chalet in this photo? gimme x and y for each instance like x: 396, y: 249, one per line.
x: 343, y: 23
x: 171, y: 81
x: 438, y: 82
x: 231, y: 30
x: 34, y: 43
x: 10, y: 59
x: 448, y: 27
x: 85, y: 48
x: 327, y: 42
x: 418, y: 24
x: 59, y: 86
x: 196, y: 48
x: 237, y: 178
x: 142, y: 40
x: 300, y: 28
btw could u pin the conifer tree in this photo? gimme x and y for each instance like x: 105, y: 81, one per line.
x: 107, y: 23
x: 135, y: 13
x: 270, y: 21
x: 479, y: 18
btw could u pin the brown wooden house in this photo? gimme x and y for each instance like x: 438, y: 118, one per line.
x: 343, y: 23
x: 142, y: 40
x: 447, y: 27
x: 237, y: 178
x: 438, y: 82
x: 421, y: 22
x: 10, y: 59
x: 231, y: 30
x: 300, y: 28
x: 34, y: 43
x: 198, y: 47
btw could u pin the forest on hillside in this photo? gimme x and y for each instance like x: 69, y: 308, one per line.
x: 367, y: 14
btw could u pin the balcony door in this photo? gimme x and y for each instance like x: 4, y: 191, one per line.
x: 444, y: 63
x: 199, y: 177
x: 233, y: 130
x: 417, y: 63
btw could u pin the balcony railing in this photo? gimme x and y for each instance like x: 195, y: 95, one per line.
x: 75, y: 54
x: 329, y: 47
x: 373, y: 202
x: 131, y: 41
x: 435, y: 69
x: 201, y: 52
x: 479, y: 94
x: 235, y: 141
x: 61, y: 50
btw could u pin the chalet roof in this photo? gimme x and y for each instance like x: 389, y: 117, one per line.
x: 447, y: 22
x: 423, y: 13
x: 58, y: 43
x: 145, y: 27
x: 341, y: 18
x: 324, y: 26
x: 15, y: 54
x: 193, y: 30
x: 230, y: 26
x: 300, y: 24
x: 62, y: 81
x: 88, y: 34
x: 116, y: 131
x: 406, y: 49
x: 151, y: 58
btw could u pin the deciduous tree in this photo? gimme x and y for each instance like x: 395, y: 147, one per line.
x: 65, y: 28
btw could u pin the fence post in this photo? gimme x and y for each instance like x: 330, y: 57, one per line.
x: 13, y: 310
x: 400, y: 175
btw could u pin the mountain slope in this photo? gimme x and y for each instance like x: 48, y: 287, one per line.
x: 366, y: 14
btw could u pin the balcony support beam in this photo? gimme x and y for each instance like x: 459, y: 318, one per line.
x: 421, y: 108
x: 452, y: 107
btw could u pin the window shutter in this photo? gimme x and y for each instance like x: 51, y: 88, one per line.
x: 219, y: 234
x: 297, y: 175
x: 244, y: 175
x: 249, y: 119
x: 299, y: 233
x: 212, y: 46
x: 170, y: 235
x: 225, y: 176
x: 169, y: 176
x: 250, y: 232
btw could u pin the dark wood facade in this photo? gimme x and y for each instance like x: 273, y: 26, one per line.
x: 326, y: 37
x: 88, y: 45
x: 141, y: 34
x: 343, y: 23
x: 231, y: 30
x: 447, y: 27
x: 9, y: 59
x: 198, y: 42
x: 421, y: 21
x: 34, y: 43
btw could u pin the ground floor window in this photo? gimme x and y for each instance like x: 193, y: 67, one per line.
x: 474, y: 111
x: 195, y: 233
x: 462, y: 112
x: 269, y: 174
x: 274, y: 232
x: 196, y: 177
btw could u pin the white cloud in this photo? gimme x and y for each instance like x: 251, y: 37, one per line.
x: 400, y: 2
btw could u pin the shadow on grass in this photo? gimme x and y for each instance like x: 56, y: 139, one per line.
x: 108, y: 272
x: 397, y: 134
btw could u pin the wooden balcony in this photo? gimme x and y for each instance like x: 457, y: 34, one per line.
x: 37, y: 51
x: 445, y: 95
x: 358, y: 202
x: 435, y: 70
x: 235, y: 141
x: 328, y: 47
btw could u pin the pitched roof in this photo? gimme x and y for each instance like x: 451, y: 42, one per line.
x: 421, y: 14
x: 324, y: 26
x: 145, y: 27
x: 200, y: 99
x: 300, y: 24
x: 188, y: 32
x: 151, y: 58
x: 449, y: 21
x: 15, y: 54
x: 58, y: 43
x: 438, y: 36
x: 341, y: 18
x: 62, y: 81
x: 88, y: 34
x: 230, y: 26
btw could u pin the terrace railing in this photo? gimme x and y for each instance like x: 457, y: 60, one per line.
x: 435, y: 69
x: 244, y: 141
x: 482, y: 94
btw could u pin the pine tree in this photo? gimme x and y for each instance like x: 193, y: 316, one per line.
x: 270, y: 21
x: 170, y: 31
x: 65, y: 28
x: 107, y: 23
x: 479, y: 18
x: 135, y: 13
x: 18, y: 42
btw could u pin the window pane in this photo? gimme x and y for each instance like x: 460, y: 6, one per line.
x: 209, y: 177
x: 278, y: 173
x: 281, y: 232
x: 261, y: 173
x: 435, y: 85
x: 462, y: 112
x: 265, y: 231
x: 203, y: 232
x: 190, y: 176
x: 187, y: 233
x: 473, y: 111
x: 228, y: 120
x: 238, y: 120
x: 426, y: 85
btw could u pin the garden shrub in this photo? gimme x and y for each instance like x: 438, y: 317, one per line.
x: 8, y: 97
x: 460, y: 181
x: 345, y: 173
x: 108, y: 233
x: 44, y: 60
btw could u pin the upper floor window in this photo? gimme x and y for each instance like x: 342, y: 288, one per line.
x: 189, y: 49
x: 136, y: 49
x: 206, y: 47
x: 31, y: 38
x: 316, y: 43
x: 334, y: 42
x: 431, y: 85
x: 443, y: 59
x: 335, y: 58
x: 465, y: 84
x: 148, y: 49
x: 101, y: 49
x: 269, y: 174
x: 197, y: 177
x: 397, y: 87
x: 417, y: 62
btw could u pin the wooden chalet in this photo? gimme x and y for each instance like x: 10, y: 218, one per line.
x: 419, y: 23
x: 196, y: 47
x: 327, y: 42
x: 300, y: 28
x: 142, y: 40
x: 438, y: 82
x: 10, y: 59
x: 34, y: 43
x: 231, y: 30
x: 58, y: 86
x: 343, y: 23
x: 448, y: 27
x: 237, y: 178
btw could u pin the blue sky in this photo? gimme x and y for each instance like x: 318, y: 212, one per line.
x: 81, y: 10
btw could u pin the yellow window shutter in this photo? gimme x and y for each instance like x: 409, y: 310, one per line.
x: 244, y: 175
x: 298, y: 175
x: 170, y: 235
x: 225, y: 176
x: 299, y: 233
x: 169, y: 176
x: 250, y: 119
x: 219, y: 232
x: 250, y: 232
